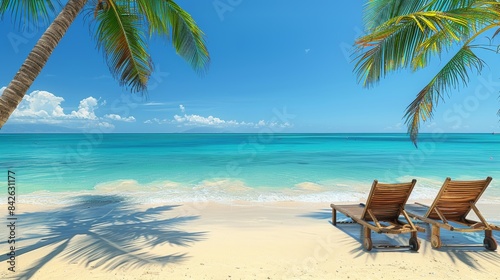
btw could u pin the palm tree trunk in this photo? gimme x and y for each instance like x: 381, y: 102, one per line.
x: 32, y: 66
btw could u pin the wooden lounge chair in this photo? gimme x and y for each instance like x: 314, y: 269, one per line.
x: 381, y: 212
x: 452, y: 204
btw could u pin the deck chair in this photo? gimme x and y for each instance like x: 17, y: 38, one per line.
x: 381, y: 213
x: 452, y: 205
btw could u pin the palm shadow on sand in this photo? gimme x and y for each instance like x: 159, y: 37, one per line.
x: 103, y: 232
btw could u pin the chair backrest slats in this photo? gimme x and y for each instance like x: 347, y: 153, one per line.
x: 386, y: 200
x: 455, y: 198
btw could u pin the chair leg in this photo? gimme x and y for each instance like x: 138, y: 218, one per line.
x: 489, y: 242
x: 334, y: 216
x: 436, y: 237
x: 367, y: 238
x: 414, y: 243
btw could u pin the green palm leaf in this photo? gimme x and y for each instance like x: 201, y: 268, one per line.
x: 379, y: 12
x: 462, y: 24
x: 120, y: 36
x: 409, y: 40
x: 166, y: 19
x: 29, y: 11
x: 452, y: 75
x: 187, y: 38
x: 388, y: 48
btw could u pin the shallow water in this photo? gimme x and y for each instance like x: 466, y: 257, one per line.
x: 52, y: 168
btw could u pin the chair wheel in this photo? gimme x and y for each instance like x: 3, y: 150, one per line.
x: 436, y: 241
x: 367, y: 243
x: 490, y: 243
x: 414, y: 244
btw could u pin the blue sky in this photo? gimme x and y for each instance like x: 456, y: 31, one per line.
x: 280, y: 66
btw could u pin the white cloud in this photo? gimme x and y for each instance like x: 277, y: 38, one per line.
x: 158, y: 121
x: 44, y: 107
x: 211, y: 121
x: 86, y: 109
x: 120, y: 118
x: 197, y: 120
x: 154, y: 104
x: 183, y: 109
x: 40, y: 106
x: 273, y: 124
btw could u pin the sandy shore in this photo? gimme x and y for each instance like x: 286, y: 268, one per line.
x: 106, y: 238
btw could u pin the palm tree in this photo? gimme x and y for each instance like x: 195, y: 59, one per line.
x: 407, y: 34
x: 121, y: 31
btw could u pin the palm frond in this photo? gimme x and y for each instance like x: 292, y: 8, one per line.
x: 409, y: 33
x: 390, y: 47
x: 449, y: 32
x: 166, y: 19
x: 378, y: 12
x: 456, y: 26
x: 447, y: 5
x: 154, y: 16
x: 412, y: 39
x: 120, y: 35
x: 36, y: 12
x: 452, y: 75
x: 187, y: 37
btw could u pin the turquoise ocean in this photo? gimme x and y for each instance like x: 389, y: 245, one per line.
x: 156, y: 168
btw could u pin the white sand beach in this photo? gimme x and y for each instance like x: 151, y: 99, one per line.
x: 104, y: 239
